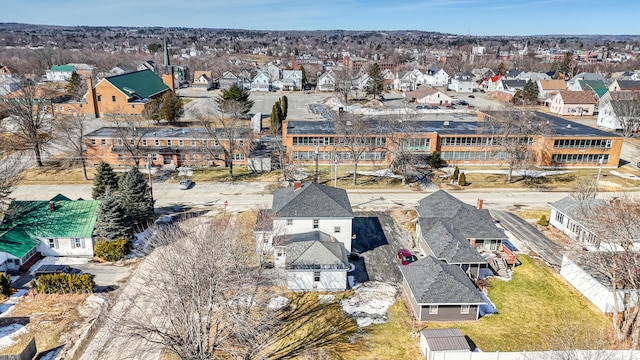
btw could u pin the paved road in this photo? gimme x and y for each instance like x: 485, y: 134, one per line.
x: 550, y: 251
x: 243, y: 196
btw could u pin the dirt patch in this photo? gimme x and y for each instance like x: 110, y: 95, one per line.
x: 555, y: 235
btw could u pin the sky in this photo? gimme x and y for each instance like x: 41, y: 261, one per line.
x: 462, y: 17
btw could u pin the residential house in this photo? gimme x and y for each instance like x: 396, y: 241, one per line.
x: 274, y: 72
x: 116, y: 70
x: 489, y: 84
x: 313, y: 261
x: 84, y: 70
x: 327, y: 81
x: 611, y: 117
x: 583, y: 272
x: 624, y: 85
x: 585, y: 76
x: 428, y: 95
x: 456, y: 233
x: 547, y: 89
x: 149, y: 65
x: 309, y: 231
x: 261, y: 82
x: 387, y: 79
x: 165, y: 146
x: 409, y: 80
x: 292, y: 80
x: 9, y: 84
x: 437, y: 343
x: 361, y: 84
x: 202, y: 80
x: 438, y: 291
x: 506, y: 89
x: 435, y: 76
x: 462, y: 83
x: 227, y: 80
x: 56, y: 227
x: 245, y: 78
x: 60, y: 73
x: 573, y: 103
x: 599, y: 88
x: 5, y: 71
x: 124, y: 94
x: 512, y: 74
x: 533, y: 76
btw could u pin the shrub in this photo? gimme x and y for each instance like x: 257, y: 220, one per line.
x: 63, y: 284
x: 112, y: 250
x: 543, y: 221
x: 435, y: 161
x: 462, y: 180
x: 5, y: 285
x: 456, y: 173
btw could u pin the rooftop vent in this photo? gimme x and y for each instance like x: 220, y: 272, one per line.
x: 568, y: 126
x: 445, y: 124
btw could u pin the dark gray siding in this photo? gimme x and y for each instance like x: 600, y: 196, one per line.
x: 448, y: 313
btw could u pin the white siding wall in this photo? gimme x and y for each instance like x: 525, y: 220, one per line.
x: 302, y: 280
x: 607, y: 118
x: 65, y: 247
x: 326, y: 225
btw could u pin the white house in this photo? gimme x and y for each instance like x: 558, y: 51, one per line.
x: 60, y: 72
x: 626, y: 102
x: 274, y: 72
x: 428, y: 95
x: 435, y: 76
x: 202, y: 80
x: 462, y: 83
x: 260, y: 82
x: 57, y: 227
x: 292, y: 80
x: 327, y: 81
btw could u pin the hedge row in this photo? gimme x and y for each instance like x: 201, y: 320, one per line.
x: 112, y: 250
x: 63, y: 284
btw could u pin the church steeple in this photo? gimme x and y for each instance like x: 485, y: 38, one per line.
x: 166, y: 53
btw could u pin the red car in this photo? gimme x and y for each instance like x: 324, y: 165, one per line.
x: 406, y: 257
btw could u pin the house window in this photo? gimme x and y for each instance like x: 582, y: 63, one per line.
x: 559, y: 217
x: 154, y: 157
x: 133, y: 106
x: 316, y: 223
x: 433, y: 309
x: 281, y: 252
x: 144, y: 142
x: 103, y: 141
x: 52, y: 243
x: 183, y: 156
x: 77, y: 243
x: 168, y: 142
x: 336, y: 229
x: 289, y: 222
x: 156, y: 142
x: 113, y: 98
x: 99, y: 98
x: 464, y: 309
x: 132, y: 142
x: 180, y: 142
x: 120, y: 142
x: 193, y: 143
x: 120, y: 157
x: 93, y: 142
x: 316, y: 276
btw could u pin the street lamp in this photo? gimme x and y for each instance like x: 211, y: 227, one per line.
x: 595, y: 190
x: 317, y: 173
x: 150, y: 178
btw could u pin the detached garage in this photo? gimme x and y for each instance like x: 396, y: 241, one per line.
x: 436, y: 343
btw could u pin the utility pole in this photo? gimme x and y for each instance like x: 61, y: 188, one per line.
x: 317, y: 172
x: 595, y: 190
x: 150, y: 178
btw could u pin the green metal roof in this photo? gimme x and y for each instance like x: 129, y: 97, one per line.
x: 598, y: 86
x: 25, y: 221
x: 62, y: 68
x: 144, y: 83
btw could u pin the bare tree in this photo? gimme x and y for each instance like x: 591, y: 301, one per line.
x: 227, y: 127
x: 70, y: 131
x: 31, y: 116
x: 345, y: 81
x: 216, y: 308
x: 130, y: 136
x: 350, y: 129
x: 584, y: 189
x: 513, y: 132
x: 626, y: 109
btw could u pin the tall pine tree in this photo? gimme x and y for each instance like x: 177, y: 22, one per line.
x: 375, y: 84
x: 105, y: 179
x: 113, y: 222
x: 136, y: 194
x: 284, y: 103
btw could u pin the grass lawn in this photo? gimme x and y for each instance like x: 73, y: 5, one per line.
x: 532, y: 306
x: 54, y: 173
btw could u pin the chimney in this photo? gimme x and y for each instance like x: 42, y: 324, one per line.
x: 479, y: 204
x: 297, y: 185
x: 91, y: 99
x: 52, y: 206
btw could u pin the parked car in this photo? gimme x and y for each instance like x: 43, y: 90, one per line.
x: 482, y: 91
x: 56, y: 269
x: 462, y: 102
x: 185, y: 184
x: 406, y: 257
x: 472, y: 96
x: 450, y: 107
x: 420, y: 107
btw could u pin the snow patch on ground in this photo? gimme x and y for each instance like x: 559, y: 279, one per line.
x: 380, y: 173
x: 8, y: 333
x: 185, y: 171
x: 326, y: 299
x: 7, y: 306
x: 278, y: 302
x: 528, y: 173
x: 370, y: 302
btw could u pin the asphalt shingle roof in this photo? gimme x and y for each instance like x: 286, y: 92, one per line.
x: 577, y: 97
x: 311, y: 200
x: 314, y: 250
x: 143, y: 83
x: 26, y: 221
x: 435, y: 282
x: 445, y: 339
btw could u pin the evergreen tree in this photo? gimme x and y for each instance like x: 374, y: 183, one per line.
x: 276, y: 119
x: 284, y: 102
x: 304, y: 74
x: 136, y: 194
x: 152, y: 110
x: 171, y: 107
x: 502, y: 69
x: 75, y: 88
x: 462, y: 180
x: 105, y: 179
x: 113, y: 221
x: 530, y: 92
x: 435, y: 161
x: 233, y: 95
x: 455, y: 174
x: 375, y: 84
x: 5, y: 285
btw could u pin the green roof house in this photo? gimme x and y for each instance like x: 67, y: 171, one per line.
x: 57, y: 227
x: 60, y: 72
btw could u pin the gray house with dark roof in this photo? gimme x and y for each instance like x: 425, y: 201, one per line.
x: 438, y: 291
x: 455, y: 232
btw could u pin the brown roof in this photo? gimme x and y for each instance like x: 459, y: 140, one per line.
x: 553, y: 84
x: 577, y: 97
x: 207, y: 74
x: 421, y: 92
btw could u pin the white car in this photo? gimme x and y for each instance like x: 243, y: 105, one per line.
x: 185, y: 184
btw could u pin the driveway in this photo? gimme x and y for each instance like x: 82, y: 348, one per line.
x: 378, y: 238
x: 548, y: 250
